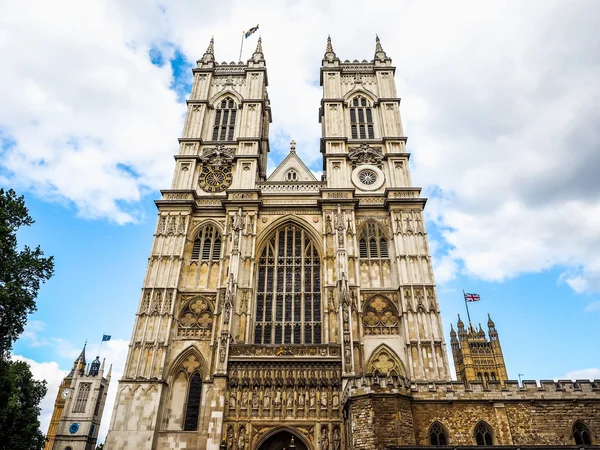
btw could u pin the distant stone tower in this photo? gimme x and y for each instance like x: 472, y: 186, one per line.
x: 78, y: 407
x: 475, y: 357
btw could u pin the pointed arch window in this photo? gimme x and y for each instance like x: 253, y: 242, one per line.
x: 361, y: 118
x: 207, y: 245
x: 484, y: 434
x: 192, y: 407
x: 225, y: 115
x: 438, y: 434
x: 288, y: 301
x: 291, y: 175
x: 373, y: 243
x: 581, y: 433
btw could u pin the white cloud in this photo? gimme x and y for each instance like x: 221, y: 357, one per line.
x: 500, y: 101
x: 594, y: 306
x: 115, y: 353
x: 583, y: 374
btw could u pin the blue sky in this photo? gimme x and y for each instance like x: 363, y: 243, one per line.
x: 500, y: 108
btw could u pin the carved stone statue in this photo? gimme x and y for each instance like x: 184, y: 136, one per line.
x: 337, y: 440
x: 324, y: 438
x: 242, y: 439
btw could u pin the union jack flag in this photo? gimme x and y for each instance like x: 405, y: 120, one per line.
x: 472, y: 297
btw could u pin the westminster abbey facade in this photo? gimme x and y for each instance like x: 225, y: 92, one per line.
x: 282, y: 311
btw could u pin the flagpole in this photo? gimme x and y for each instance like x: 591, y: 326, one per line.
x: 467, y: 306
x: 242, y: 45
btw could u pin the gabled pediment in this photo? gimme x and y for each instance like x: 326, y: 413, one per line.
x: 292, y: 169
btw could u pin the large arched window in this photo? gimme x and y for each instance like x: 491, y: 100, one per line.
x: 581, y: 433
x: 192, y: 406
x: 438, y: 434
x: 207, y: 246
x: 288, y: 299
x: 373, y: 244
x: 361, y: 118
x: 224, y: 120
x: 484, y: 434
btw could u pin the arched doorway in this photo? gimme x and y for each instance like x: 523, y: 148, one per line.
x: 283, y: 440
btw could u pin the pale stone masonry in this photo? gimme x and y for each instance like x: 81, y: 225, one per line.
x: 283, y: 310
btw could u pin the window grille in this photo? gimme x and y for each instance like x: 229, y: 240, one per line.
x: 437, y: 434
x: 361, y: 119
x: 377, y: 247
x: 224, y: 120
x: 192, y: 409
x: 82, y: 397
x: 288, y: 304
x: 581, y: 433
x: 207, y: 246
x: 484, y: 434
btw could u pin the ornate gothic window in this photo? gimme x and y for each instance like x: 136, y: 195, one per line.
x: 581, y: 433
x: 380, y: 317
x: 82, y: 397
x: 373, y: 244
x: 361, y: 119
x: 192, y: 407
x: 224, y: 120
x: 438, y: 434
x: 207, y: 246
x: 196, y: 319
x: 484, y: 434
x: 288, y: 301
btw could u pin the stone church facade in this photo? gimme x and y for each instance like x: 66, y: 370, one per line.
x: 284, y: 311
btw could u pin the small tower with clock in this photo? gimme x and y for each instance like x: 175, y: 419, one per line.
x: 78, y: 407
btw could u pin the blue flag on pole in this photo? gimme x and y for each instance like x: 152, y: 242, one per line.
x: 105, y: 337
x: 252, y: 30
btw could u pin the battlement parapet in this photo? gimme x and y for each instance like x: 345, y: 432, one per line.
x: 509, y: 390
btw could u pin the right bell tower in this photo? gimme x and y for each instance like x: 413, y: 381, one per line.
x: 397, y: 325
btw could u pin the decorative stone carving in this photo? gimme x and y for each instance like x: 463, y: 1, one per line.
x: 196, y: 319
x: 216, y: 169
x: 380, y: 317
x: 365, y: 154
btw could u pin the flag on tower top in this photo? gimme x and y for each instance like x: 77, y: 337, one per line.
x: 252, y: 30
x: 472, y: 297
x: 105, y: 337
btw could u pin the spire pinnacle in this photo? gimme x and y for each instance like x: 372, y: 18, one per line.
x: 258, y: 45
x: 210, y: 50
x: 293, y: 146
x: 329, y: 53
x: 258, y: 56
x: 380, y: 54
x: 209, y: 54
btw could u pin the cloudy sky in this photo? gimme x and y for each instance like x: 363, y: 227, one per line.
x: 500, y: 100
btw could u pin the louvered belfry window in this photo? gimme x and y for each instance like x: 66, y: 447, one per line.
x: 288, y: 303
x: 224, y: 120
x: 82, y: 397
x: 361, y: 119
x: 372, y: 244
x: 207, y: 246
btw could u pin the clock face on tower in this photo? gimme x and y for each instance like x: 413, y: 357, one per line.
x: 215, y: 179
x: 65, y: 393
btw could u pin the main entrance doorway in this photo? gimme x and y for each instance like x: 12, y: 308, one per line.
x: 283, y: 440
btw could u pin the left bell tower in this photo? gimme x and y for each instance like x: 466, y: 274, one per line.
x: 78, y: 407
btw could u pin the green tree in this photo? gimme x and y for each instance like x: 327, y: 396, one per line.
x: 20, y: 397
x: 21, y: 273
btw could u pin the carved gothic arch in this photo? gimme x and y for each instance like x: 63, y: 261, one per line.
x: 267, y: 233
x: 219, y: 96
x: 360, y: 91
x: 195, y: 228
x: 185, y: 362
x: 385, y: 361
x: 297, y: 433
x: 382, y: 228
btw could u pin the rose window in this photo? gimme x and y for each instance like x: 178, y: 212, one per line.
x: 368, y: 177
x: 196, y: 319
x: 380, y: 317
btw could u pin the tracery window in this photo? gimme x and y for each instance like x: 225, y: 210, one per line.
x: 196, y: 319
x: 581, y: 433
x: 373, y: 244
x: 361, y: 118
x: 207, y: 246
x: 288, y: 302
x: 224, y: 120
x: 192, y: 408
x: 437, y: 434
x: 82, y: 397
x: 484, y: 434
x: 380, y: 317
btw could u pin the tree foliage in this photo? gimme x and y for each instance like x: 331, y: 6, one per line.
x: 21, y: 273
x: 20, y: 397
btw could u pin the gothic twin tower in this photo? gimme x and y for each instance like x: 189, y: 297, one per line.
x: 272, y: 305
